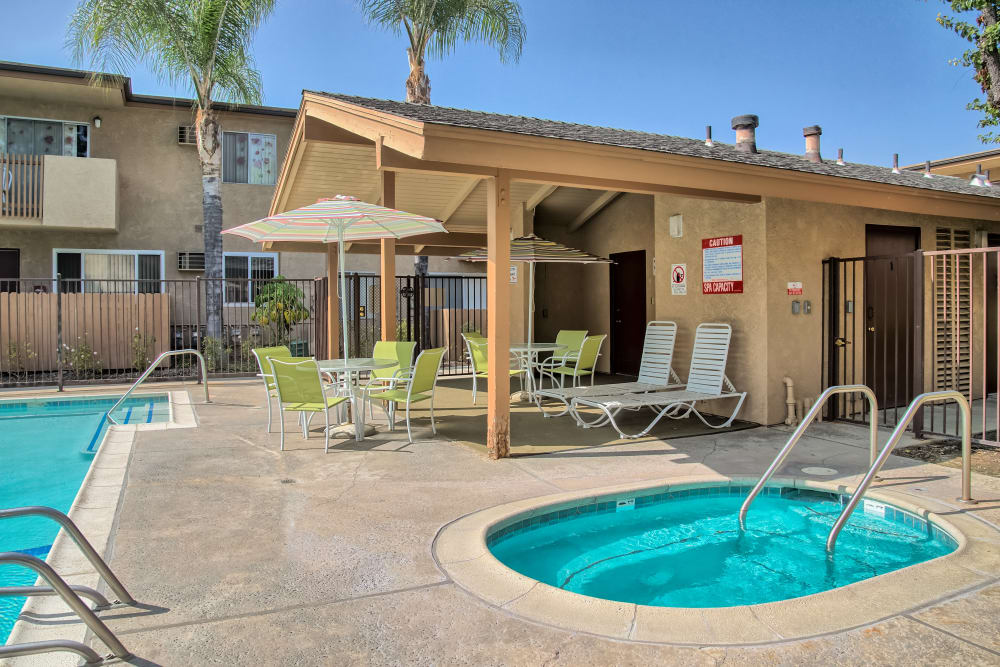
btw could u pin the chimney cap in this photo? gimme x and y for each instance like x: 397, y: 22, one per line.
x: 811, y: 130
x: 746, y: 120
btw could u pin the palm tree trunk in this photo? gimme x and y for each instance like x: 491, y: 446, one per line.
x: 210, y: 155
x: 418, y: 85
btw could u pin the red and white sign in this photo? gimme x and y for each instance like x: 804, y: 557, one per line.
x: 722, y: 265
x: 794, y: 289
x: 678, y: 279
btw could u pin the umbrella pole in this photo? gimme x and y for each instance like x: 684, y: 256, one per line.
x: 531, y: 303
x: 343, y: 289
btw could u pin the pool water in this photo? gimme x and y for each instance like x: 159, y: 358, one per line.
x: 685, y: 549
x: 46, y: 448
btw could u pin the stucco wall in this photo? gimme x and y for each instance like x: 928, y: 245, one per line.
x: 577, y: 296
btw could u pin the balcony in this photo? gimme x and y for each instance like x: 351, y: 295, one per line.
x: 57, y: 192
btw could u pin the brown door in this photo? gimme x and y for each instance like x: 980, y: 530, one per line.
x: 888, y: 316
x: 993, y: 241
x: 10, y: 269
x: 628, y: 311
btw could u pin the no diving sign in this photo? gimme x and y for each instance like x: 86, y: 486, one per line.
x: 678, y: 279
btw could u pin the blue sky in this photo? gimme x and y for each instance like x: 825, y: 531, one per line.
x: 873, y: 73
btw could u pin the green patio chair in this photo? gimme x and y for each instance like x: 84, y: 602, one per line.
x: 263, y: 355
x: 478, y: 357
x: 571, y: 339
x: 419, y: 386
x: 386, y: 378
x: 300, y: 388
x: 584, y: 364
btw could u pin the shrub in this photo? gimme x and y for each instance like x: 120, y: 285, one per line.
x: 141, y: 346
x: 214, y: 352
x: 81, y: 358
x: 280, y: 305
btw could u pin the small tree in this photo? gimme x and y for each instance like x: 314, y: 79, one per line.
x: 983, y: 58
x: 280, y: 305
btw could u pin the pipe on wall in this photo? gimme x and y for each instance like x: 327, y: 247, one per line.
x: 790, y: 418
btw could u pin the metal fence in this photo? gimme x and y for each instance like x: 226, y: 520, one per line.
x: 60, y: 331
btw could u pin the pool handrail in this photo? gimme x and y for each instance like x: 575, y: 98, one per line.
x: 62, y: 589
x: 897, y: 434
x: 803, y: 425
x: 91, y: 656
x: 82, y: 591
x: 81, y: 542
x: 152, y: 367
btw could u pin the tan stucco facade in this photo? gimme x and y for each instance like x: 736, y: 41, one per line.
x: 784, y: 241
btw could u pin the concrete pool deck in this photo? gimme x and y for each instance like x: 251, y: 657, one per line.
x: 241, y: 554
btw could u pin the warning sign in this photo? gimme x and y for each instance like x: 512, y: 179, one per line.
x: 795, y: 288
x: 722, y: 265
x: 678, y: 279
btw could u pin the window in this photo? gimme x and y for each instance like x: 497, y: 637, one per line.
x: 109, y: 271
x: 243, y: 270
x: 10, y: 269
x: 28, y: 136
x: 249, y: 158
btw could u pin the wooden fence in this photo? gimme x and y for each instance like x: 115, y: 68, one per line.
x: 20, y: 186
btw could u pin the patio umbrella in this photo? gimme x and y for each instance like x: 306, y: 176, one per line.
x: 532, y: 250
x: 341, y: 219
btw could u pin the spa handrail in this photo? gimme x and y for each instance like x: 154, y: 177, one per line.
x: 804, y: 424
x: 45, y: 571
x: 169, y: 353
x: 897, y: 434
x: 81, y: 542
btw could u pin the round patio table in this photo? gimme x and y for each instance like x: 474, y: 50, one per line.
x: 528, y: 354
x: 348, y: 370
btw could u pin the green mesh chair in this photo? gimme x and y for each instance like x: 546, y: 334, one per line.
x: 571, y: 340
x: 299, y: 388
x: 584, y: 364
x: 478, y: 357
x: 418, y: 387
x: 386, y: 378
x: 263, y: 355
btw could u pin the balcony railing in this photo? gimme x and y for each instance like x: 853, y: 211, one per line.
x: 21, y: 179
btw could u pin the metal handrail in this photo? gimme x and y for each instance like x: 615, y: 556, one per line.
x: 82, y: 591
x: 897, y: 433
x: 804, y: 424
x: 81, y: 542
x: 168, y: 353
x: 51, y: 646
x: 45, y: 571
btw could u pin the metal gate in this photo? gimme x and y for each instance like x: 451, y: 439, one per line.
x: 907, y: 324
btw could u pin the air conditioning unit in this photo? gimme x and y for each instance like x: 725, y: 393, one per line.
x: 186, y: 135
x: 190, y: 261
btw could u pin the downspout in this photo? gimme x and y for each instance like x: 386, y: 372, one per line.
x: 790, y: 419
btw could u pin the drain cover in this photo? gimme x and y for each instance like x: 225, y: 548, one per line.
x: 815, y: 470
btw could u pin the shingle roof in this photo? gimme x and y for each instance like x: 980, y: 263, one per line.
x: 660, y: 143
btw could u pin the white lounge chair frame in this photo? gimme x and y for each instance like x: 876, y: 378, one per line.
x: 656, y: 372
x: 707, y: 381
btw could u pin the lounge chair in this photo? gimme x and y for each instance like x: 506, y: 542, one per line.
x: 477, y: 351
x: 300, y: 389
x: 706, y: 380
x: 655, y: 371
x: 264, y: 356
x: 420, y: 386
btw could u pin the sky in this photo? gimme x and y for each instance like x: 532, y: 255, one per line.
x: 875, y: 74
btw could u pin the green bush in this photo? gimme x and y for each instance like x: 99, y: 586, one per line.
x: 141, y: 347
x: 279, y: 305
x: 214, y: 352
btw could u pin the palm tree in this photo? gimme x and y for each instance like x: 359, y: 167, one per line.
x: 202, y: 43
x: 434, y: 27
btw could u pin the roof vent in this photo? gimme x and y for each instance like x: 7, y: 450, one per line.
x: 811, y: 134
x: 708, y: 136
x: 895, y: 163
x: 746, y: 135
x: 927, y: 169
x: 979, y: 178
x: 840, y: 157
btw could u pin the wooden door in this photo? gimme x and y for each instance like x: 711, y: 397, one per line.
x: 628, y: 311
x: 993, y: 241
x: 888, y: 316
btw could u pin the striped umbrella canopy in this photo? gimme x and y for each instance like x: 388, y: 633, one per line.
x: 339, y: 220
x: 533, y: 250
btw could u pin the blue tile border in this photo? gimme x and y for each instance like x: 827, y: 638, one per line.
x: 892, y: 513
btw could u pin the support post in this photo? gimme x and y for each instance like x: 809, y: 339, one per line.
x: 387, y: 264
x: 498, y: 314
x: 332, y: 304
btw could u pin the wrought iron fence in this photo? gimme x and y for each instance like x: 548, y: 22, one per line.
x: 61, y: 331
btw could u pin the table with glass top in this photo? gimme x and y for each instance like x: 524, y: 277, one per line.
x: 528, y: 353
x: 348, y: 372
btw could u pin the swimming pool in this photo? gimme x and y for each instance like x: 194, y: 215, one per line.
x: 47, y: 446
x: 684, y: 548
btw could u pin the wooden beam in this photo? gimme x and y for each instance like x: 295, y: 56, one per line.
x: 540, y: 195
x: 459, y: 198
x: 332, y: 303
x: 595, y: 207
x: 319, y: 130
x: 389, y: 158
x: 498, y: 315
x: 387, y: 261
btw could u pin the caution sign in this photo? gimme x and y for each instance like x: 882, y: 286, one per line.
x: 722, y: 265
x: 678, y: 279
x: 794, y: 288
